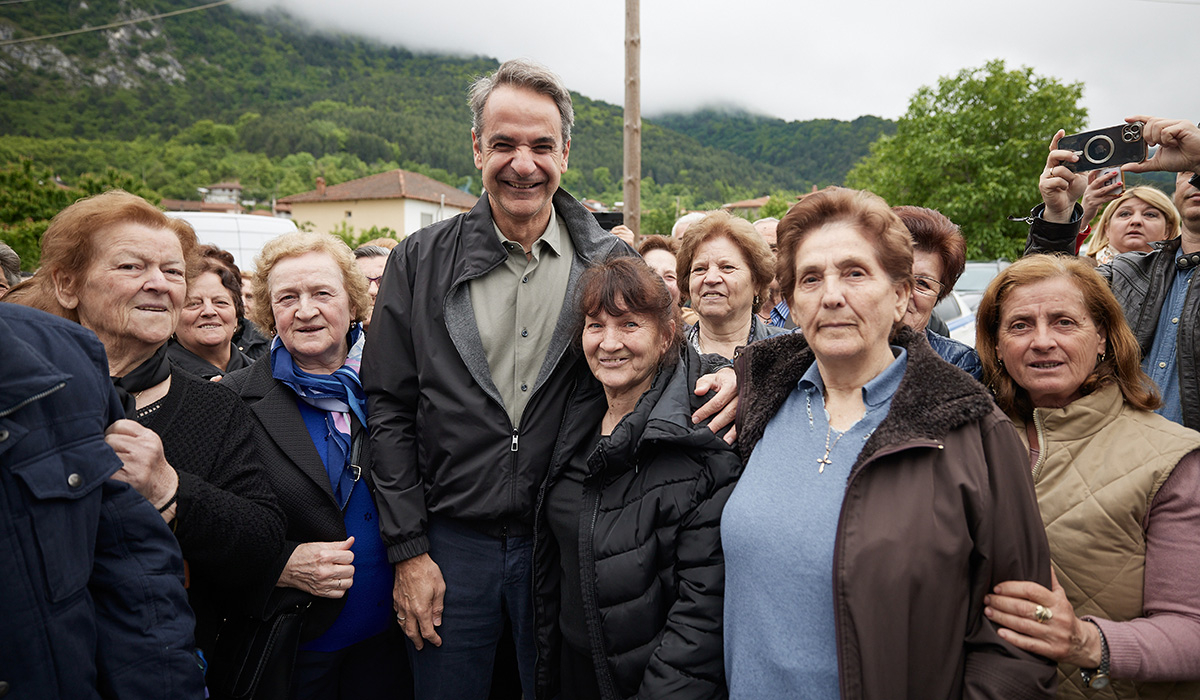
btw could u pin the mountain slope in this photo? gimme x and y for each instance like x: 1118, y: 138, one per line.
x: 290, y: 90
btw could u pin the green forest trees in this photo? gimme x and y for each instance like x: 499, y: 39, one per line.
x: 30, y: 195
x: 972, y: 148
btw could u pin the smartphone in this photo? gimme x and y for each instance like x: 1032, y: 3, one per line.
x: 1106, y: 148
x: 1110, y: 175
x: 609, y: 220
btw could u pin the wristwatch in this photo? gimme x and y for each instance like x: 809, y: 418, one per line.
x: 1097, y: 678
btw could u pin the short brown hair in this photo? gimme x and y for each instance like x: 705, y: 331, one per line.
x: 220, y: 262
x: 626, y: 284
x: 1122, y: 357
x: 75, y: 236
x: 933, y: 233
x: 865, y: 211
x: 291, y: 245
x: 666, y: 243
x: 722, y: 224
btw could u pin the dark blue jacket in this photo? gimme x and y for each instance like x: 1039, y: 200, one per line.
x: 960, y: 355
x: 92, y: 602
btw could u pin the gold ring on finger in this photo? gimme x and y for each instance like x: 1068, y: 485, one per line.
x: 1043, y: 614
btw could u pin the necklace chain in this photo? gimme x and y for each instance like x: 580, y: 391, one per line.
x: 824, y: 461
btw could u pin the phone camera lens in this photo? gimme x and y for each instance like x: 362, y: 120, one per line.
x: 1099, y: 149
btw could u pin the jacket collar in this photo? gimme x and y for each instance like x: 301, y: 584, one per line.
x: 663, y: 414
x: 26, y: 373
x: 483, y: 252
x: 275, y: 406
x: 1083, y: 417
x: 933, y: 398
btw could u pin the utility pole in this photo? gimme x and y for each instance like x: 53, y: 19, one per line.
x: 633, y: 118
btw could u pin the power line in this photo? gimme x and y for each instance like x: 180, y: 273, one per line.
x: 114, y: 25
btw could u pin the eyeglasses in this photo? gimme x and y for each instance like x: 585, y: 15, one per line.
x: 371, y: 279
x: 927, y: 286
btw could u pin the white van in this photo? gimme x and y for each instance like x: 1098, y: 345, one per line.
x: 244, y: 235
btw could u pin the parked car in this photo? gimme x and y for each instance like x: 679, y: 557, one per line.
x: 958, y: 316
x: 976, y: 278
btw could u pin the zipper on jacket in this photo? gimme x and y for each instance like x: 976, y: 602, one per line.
x: 537, y: 516
x: 1041, y: 435
x: 36, y: 397
x: 839, y: 541
x: 515, y: 466
x: 591, y: 607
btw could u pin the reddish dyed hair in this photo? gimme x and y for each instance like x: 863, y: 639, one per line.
x: 78, y: 232
x: 624, y: 285
x: 933, y: 233
x: 1122, y: 357
x: 865, y: 211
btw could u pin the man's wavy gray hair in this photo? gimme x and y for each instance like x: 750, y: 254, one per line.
x: 526, y: 74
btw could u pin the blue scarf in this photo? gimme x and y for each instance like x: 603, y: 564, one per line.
x: 338, y: 395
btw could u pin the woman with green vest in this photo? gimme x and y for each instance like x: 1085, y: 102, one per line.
x: 1118, y: 487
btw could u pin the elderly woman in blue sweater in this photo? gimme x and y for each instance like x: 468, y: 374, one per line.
x: 884, y: 494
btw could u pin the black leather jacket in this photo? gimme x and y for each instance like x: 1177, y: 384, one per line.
x: 1140, y: 282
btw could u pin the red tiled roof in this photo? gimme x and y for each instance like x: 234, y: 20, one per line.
x: 231, y: 207
x: 394, y: 184
x: 746, y: 203
x: 192, y: 205
x: 180, y: 205
x: 235, y: 185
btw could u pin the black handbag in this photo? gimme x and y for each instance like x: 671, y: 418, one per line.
x: 253, y: 658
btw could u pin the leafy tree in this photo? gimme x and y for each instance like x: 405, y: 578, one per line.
x: 355, y: 239
x: 776, y: 206
x: 30, y: 196
x: 972, y: 148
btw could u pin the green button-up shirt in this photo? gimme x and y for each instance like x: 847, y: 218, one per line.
x: 516, y: 309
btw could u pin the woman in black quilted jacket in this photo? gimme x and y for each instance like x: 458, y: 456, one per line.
x: 628, y: 567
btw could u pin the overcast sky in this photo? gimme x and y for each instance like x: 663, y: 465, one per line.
x: 801, y: 60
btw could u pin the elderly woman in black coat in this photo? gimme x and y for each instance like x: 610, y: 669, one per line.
x: 308, y: 398
x: 628, y: 566
x: 118, y: 266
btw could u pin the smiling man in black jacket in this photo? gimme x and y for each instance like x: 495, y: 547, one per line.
x: 468, y: 369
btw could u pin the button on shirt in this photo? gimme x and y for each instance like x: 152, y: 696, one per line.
x: 1159, y: 363
x: 517, y: 306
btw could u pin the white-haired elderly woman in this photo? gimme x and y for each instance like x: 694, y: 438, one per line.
x: 307, y: 395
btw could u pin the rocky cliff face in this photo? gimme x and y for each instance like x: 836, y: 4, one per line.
x: 136, y: 53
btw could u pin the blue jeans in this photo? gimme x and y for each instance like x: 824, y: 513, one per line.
x: 487, y: 578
